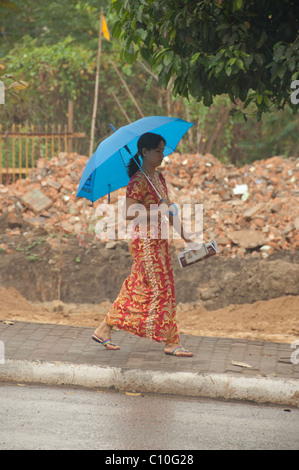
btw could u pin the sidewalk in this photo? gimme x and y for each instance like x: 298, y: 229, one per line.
x: 224, y: 368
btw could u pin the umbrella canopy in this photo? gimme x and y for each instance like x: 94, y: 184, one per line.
x: 106, y: 170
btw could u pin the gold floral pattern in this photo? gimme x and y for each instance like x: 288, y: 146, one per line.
x: 145, y: 305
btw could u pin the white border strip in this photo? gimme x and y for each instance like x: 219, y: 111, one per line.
x: 223, y: 386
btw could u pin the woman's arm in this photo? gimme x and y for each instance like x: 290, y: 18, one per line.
x: 129, y: 202
x: 163, y: 209
x: 175, y: 221
x: 146, y: 212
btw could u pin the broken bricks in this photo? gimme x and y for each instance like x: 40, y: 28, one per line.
x: 36, y: 201
x: 264, y: 221
x: 248, y: 239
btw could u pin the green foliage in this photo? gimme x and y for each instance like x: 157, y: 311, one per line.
x: 55, y: 73
x: 8, y: 4
x: 65, y: 70
x: 209, y: 54
x: 246, y: 49
x: 50, y: 22
x: 53, y: 47
x: 276, y: 134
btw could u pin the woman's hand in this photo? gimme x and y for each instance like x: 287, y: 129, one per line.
x: 190, y: 244
x: 164, y: 206
x: 166, y: 201
x: 169, y: 207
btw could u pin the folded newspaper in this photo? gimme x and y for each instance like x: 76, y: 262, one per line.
x: 188, y: 257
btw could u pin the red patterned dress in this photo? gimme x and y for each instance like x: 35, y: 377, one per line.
x: 145, y: 305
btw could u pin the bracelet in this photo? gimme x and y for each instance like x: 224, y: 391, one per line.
x: 176, y: 209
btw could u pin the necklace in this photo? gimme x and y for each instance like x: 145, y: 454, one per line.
x: 157, y: 183
x: 154, y: 178
x: 149, y: 176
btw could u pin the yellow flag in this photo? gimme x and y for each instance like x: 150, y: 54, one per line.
x: 105, y: 29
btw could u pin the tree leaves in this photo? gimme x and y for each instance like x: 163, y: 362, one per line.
x: 10, y: 5
x: 237, y: 5
x: 211, y: 48
x: 18, y: 85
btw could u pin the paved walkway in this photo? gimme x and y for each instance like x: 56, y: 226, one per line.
x: 221, y: 367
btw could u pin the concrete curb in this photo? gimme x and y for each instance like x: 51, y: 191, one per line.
x: 223, y: 386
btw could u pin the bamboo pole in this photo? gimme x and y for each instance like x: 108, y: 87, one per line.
x: 1, y: 155
x: 70, y: 124
x: 120, y: 106
x: 20, y: 152
x: 190, y: 133
x: 59, y: 143
x: 26, y: 151
x: 96, y: 89
x: 13, y: 154
x: 127, y: 89
x: 60, y: 251
x: 65, y: 138
x: 46, y: 142
x: 93, y: 121
x: 32, y: 146
x: 6, y: 153
x: 52, y: 142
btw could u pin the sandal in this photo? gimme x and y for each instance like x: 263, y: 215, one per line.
x: 107, y: 343
x: 180, y: 351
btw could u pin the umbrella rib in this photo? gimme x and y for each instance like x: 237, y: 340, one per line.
x: 110, y: 147
x: 114, y: 130
x: 123, y: 159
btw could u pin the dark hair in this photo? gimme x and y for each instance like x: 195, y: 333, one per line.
x: 150, y: 141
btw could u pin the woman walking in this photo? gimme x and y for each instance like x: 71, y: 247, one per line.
x: 145, y: 305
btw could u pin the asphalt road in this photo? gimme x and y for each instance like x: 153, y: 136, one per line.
x: 36, y: 417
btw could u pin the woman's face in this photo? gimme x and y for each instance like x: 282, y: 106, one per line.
x: 154, y: 156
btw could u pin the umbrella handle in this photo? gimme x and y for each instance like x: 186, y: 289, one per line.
x: 176, y: 208
x: 173, y: 204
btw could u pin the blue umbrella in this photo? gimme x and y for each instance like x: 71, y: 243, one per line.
x: 106, y: 170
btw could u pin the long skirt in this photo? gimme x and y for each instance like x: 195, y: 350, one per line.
x: 145, y: 305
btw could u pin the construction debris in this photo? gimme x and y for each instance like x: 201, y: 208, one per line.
x: 249, y: 211
x: 36, y: 201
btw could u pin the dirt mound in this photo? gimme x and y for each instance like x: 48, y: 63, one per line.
x: 12, y: 302
x: 244, y: 298
x: 38, y: 265
x: 261, y: 281
x: 274, y: 320
x: 251, y: 289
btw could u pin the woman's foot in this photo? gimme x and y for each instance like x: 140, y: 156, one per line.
x: 177, y: 350
x: 102, y: 335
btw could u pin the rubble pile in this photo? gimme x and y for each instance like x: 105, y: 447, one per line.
x: 47, y: 197
x: 249, y: 211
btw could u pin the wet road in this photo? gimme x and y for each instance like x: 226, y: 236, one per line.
x: 39, y: 417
